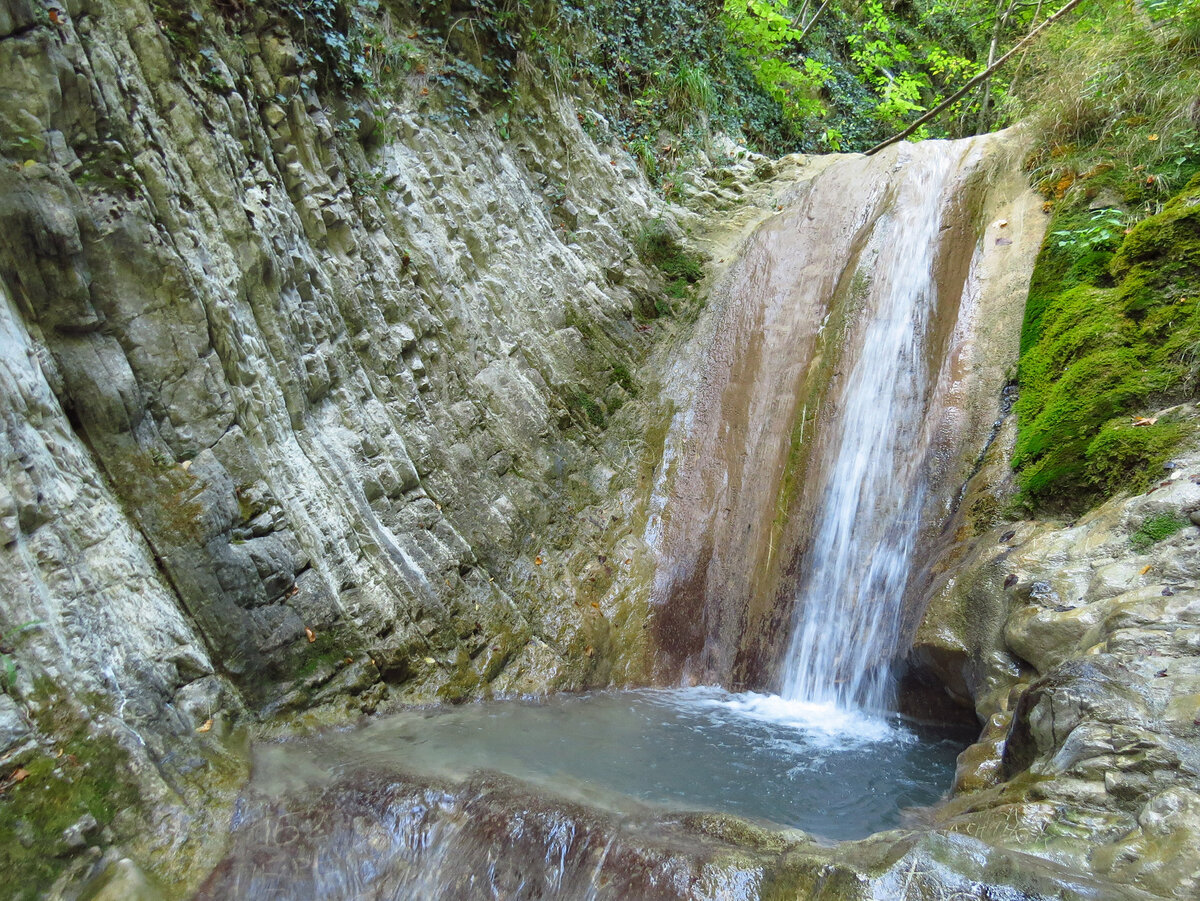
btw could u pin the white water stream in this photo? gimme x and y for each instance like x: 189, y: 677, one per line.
x: 873, y: 489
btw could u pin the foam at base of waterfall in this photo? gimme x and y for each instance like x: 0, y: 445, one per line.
x: 825, y: 723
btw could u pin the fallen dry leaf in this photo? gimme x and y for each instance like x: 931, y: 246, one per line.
x: 537, y: 561
x: 589, y: 651
x: 1145, y: 569
x: 207, y: 725
x: 1144, y: 420
x: 312, y: 636
x: 20, y: 774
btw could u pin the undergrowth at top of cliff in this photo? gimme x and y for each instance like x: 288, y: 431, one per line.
x: 1112, y: 324
x: 780, y: 75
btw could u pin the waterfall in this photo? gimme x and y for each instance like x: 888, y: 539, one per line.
x: 830, y: 413
x: 873, y: 486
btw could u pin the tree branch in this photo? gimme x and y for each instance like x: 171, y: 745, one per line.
x: 811, y: 23
x: 976, y: 81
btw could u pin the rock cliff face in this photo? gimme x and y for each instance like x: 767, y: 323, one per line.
x: 250, y: 397
x: 296, y: 411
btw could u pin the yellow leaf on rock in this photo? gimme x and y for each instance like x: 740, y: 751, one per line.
x: 208, y: 724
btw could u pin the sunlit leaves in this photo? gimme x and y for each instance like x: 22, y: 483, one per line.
x: 765, y: 37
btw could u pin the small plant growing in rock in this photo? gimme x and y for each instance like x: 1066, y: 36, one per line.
x: 658, y: 247
x: 8, y: 663
x: 1155, y: 529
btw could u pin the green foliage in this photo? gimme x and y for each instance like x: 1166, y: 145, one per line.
x: 331, y: 33
x: 690, y: 91
x: 1109, y: 100
x: 1112, y: 330
x: 1104, y: 233
x: 763, y: 34
x: 1155, y: 529
x: 882, y: 57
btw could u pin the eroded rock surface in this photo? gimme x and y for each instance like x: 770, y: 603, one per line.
x: 1079, y: 644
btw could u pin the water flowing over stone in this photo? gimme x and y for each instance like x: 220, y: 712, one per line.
x: 852, y: 373
x: 873, y: 484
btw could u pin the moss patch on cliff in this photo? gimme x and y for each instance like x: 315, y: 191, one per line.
x: 1156, y: 529
x: 60, y: 801
x: 1111, y: 332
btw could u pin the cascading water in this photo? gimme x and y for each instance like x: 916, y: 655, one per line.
x: 840, y: 400
x: 849, y: 601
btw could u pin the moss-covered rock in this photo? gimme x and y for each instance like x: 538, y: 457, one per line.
x: 60, y: 801
x: 1109, y: 335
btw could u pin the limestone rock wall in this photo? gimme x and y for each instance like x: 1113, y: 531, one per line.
x: 294, y: 409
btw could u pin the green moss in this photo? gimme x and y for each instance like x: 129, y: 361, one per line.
x: 86, y: 774
x: 1125, y: 456
x: 586, y: 407
x: 1155, y: 529
x: 658, y: 248
x: 502, y: 648
x: 327, y: 649
x: 1107, y: 336
x: 678, y: 289
x: 622, y: 376
x: 1061, y: 265
x: 463, y: 681
x: 1159, y: 261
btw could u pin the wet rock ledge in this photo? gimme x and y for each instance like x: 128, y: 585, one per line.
x: 1078, y: 644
